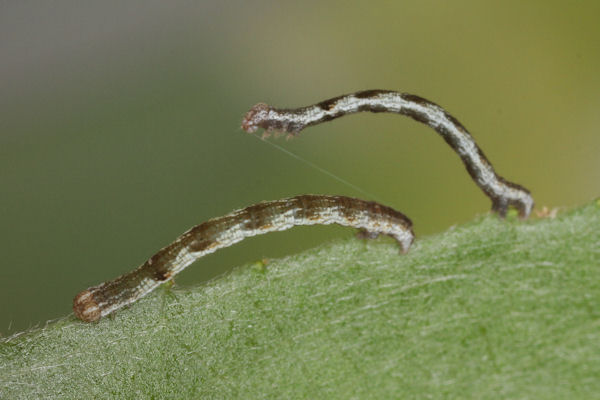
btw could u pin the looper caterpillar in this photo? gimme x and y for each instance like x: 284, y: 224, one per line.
x: 370, y: 217
x: 502, y: 192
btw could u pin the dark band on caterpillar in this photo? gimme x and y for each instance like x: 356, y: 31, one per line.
x: 370, y: 217
x: 502, y: 192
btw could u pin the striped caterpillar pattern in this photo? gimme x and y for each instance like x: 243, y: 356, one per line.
x: 371, y: 218
x: 502, y: 192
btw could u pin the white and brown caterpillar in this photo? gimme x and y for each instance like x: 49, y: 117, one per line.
x: 502, y: 192
x: 371, y: 218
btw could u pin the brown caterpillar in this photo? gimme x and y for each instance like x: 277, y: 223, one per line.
x: 370, y: 217
x: 502, y: 192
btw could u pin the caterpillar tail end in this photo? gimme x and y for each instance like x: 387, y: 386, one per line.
x: 524, y: 205
x: 404, y: 242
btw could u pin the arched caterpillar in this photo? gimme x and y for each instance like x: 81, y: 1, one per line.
x: 502, y: 192
x: 370, y: 217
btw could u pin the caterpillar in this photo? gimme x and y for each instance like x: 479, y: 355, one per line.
x: 502, y: 192
x: 371, y: 218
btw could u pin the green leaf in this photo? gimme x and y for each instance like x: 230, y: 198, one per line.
x: 491, y: 309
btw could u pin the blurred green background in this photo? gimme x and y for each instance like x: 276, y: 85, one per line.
x: 119, y: 124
